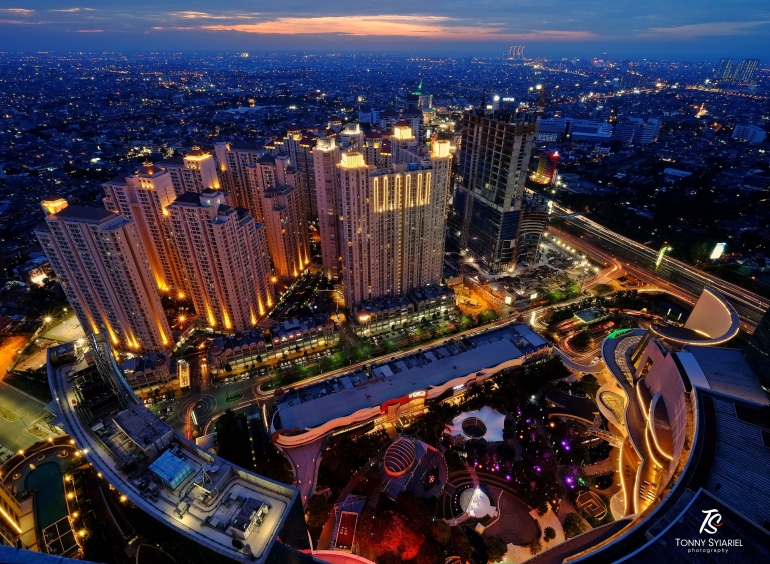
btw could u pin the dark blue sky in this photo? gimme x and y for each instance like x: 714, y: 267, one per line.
x: 671, y: 29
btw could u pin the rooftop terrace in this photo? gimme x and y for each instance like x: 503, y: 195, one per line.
x: 200, y: 497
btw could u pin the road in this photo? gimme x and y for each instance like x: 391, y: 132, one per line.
x: 18, y: 414
x: 678, y: 275
x: 213, y: 400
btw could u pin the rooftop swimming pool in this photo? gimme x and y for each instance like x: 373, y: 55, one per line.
x: 50, y: 503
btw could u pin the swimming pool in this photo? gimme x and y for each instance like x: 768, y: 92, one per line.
x: 50, y: 503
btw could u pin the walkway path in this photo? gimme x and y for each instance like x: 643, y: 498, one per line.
x: 325, y: 539
x: 576, y: 366
x: 305, y: 461
x: 635, y: 423
x: 516, y: 524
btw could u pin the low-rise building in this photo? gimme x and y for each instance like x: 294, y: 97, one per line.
x: 147, y: 371
x: 388, y: 313
x: 387, y: 391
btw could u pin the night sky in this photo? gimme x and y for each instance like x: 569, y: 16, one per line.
x: 658, y: 29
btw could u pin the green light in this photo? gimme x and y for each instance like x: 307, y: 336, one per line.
x: 618, y: 333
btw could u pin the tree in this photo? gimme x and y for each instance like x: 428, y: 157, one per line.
x: 535, y: 546
x: 573, y: 525
x: 233, y: 438
x: 542, y: 508
x: 441, y: 532
x: 461, y: 545
x: 317, y: 511
x: 554, y: 296
x: 590, y: 384
x: 496, y: 548
x: 549, y: 534
x: 389, y: 558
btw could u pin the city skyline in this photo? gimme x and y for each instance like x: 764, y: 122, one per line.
x: 550, y: 28
x: 345, y: 307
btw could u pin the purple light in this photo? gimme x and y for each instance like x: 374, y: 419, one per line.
x: 566, y: 447
x: 508, y: 477
x: 537, y: 468
x: 569, y: 479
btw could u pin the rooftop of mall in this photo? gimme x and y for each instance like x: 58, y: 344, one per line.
x: 313, y: 405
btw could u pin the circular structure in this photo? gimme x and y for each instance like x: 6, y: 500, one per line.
x: 475, y: 503
x: 484, y: 423
x: 474, y: 427
x: 399, y: 458
x: 713, y: 321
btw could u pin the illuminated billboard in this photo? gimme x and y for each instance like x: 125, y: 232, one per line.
x: 718, y: 251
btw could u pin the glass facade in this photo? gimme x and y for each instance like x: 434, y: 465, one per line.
x: 171, y: 470
x: 492, y: 168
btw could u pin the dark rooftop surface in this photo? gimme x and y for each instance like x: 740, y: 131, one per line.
x: 573, y: 406
x: 85, y: 214
x: 667, y: 548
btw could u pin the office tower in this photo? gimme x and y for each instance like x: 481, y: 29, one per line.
x: 144, y: 197
x: 273, y: 189
x: 195, y: 172
x: 533, y: 222
x: 327, y: 178
x: 233, y: 159
x: 392, y: 230
x: 224, y: 253
x: 492, y: 168
x: 516, y: 53
x: 725, y: 70
x: 750, y: 133
x: 546, y: 167
x: 102, y: 266
x: 745, y: 70
x: 648, y: 132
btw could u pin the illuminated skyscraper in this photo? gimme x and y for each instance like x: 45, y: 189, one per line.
x: 273, y: 190
x: 516, y: 53
x: 725, y: 70
x: 300, y: 147
x: 745, y: 70
x: 144, y: 197
x: 488, y: 200
x: 233, y: 159
x: 102, y: 265
x: 393, y: 220
x: 326, y: 156
x: 194, y: 172
x: 224, y: 254
x: 382, y: 206
x: 546, y: 167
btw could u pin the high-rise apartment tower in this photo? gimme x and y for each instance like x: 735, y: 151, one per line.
x: 102, y: 265
x: 224, y: 254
